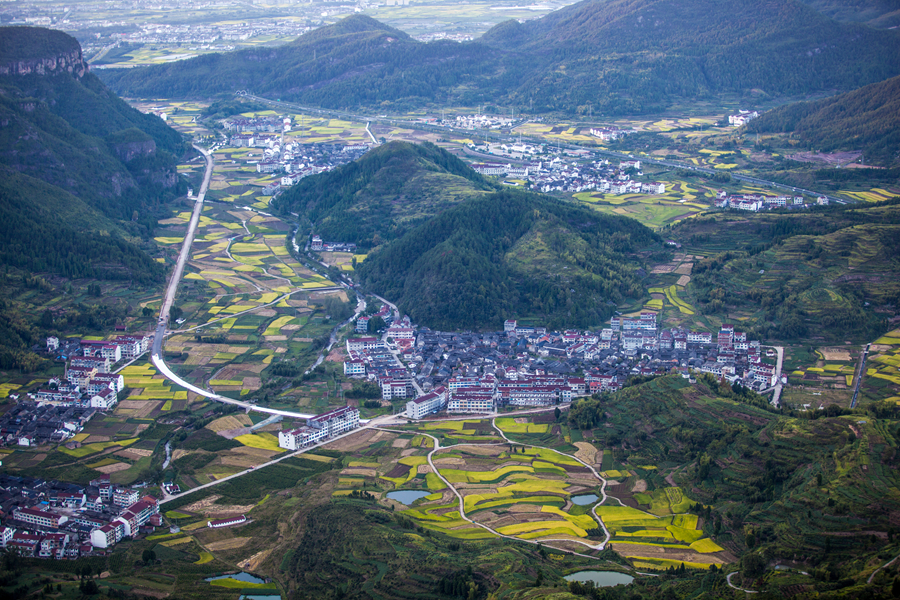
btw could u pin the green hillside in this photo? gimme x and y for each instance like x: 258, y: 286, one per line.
x: 876, y: 13
x: 511, y: 255
x: 619, y: 56
x: 65, y: 128
x: 797, y: 485
x: 797, y: 276
x: 384, y: 194
x: 867, y: 119
x: 355, y: 62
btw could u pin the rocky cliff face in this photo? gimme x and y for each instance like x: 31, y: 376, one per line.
x: 35, y: 50
x: 70, y: 62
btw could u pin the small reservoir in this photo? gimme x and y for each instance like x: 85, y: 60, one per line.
x: 601, y: 578
x: 245, y: 577
x: 585, y: 499
x: 407, y: 497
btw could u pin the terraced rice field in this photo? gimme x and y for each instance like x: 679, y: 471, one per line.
x: 522, y: 494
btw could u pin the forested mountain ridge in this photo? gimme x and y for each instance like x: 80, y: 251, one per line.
x: 83, y: 172
x: 357, y: 61
x: 511, y: 254
x: 619, y: 56
x: 384, y: 194
x: 866, y: 119
x: 876, y: 13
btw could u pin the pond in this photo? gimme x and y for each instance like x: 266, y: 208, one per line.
x: 259, y: 597
x: 584, y: 499
x: 601, y: 578
x: 245, y: 577
x: 407, y: 497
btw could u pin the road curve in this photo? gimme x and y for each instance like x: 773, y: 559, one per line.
x: 156, y: 352
x: 462, y: 510
x: 728, y: 580
x: 603, y: 496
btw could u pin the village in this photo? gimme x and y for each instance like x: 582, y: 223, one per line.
x: 528, y: 366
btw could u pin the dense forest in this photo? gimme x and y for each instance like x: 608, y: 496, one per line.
x: 509, y: 255
x: 866, y: 119
x: 619, y: 57
x: 84, y: 174
x: 384, y: 194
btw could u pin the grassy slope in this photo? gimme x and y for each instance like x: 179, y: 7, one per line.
x: 763, y: 467
x: 818, y: 269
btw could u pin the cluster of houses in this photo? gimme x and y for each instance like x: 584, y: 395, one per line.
x: 742, y: 117
x: 321, y: 427
x: 271, y: 124
x: 362, y: 323
x: 758, y: 202
x: 530, y: 366
x: 317, y: 245
x: 89, y: 380
x: 29, y: 423
x: 559, y: 175
x: 610, y: 134
x: 292, y: 159
x: 51, y: 519
x: 476, y: 121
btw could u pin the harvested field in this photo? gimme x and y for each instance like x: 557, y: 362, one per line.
x: 233, y: 543
x: 683, y: 280
x: 207, y: 507
x: 230, y: 422
x: 113, y: 468
x: 836, y: 354
x: 400, y: 443
x: 360, y: 472
x: 639, y: 486
x: 352, y: 443
x: 252, y: 564
x: 586, y: 452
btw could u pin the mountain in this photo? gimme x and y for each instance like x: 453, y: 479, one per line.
x: 355, y: 62
x: 618, y: 56
x: 78, y: 163
x: 384, y: 194
x: 507, y: 255
x: 867, y: 119
x: 876, y: 13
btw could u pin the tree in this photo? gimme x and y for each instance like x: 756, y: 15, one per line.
x: 175, y: 313
x: 556, y: 413
x: 752, y: 566
x: 147, y: 311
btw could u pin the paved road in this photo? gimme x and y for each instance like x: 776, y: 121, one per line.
x: 859, y: 376
x: 156, y: 352
x: 776, y: 397
x: 728, y: 579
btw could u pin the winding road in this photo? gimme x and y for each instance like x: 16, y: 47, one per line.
x: 462, y: 509
x: 156, y: 351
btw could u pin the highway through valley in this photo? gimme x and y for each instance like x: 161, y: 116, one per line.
x: 156, y: 351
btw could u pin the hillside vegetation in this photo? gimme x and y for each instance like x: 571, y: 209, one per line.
x: 384, y: 194
x: 84, y: 173
x: 620, y: 56
x: 798, y: 275
x: 867, y: 119
x: 818, y: 487
x: 509, y: 255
